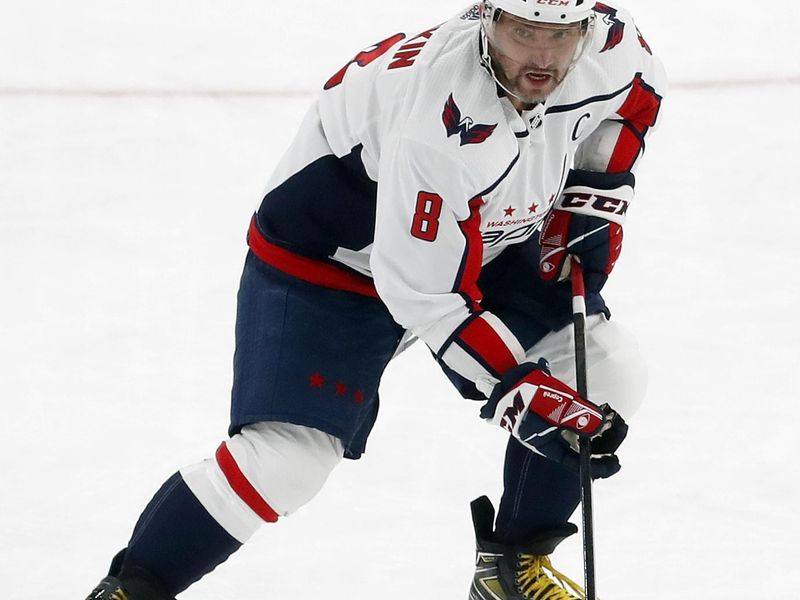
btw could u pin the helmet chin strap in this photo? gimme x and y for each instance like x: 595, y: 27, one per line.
x: 486, y: 60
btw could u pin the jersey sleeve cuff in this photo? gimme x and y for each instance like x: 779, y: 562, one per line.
x: 481, y: 349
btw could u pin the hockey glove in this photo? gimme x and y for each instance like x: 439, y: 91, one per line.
x: 548, y: 417
x: 586, y: 222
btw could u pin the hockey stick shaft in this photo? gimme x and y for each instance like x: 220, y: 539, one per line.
x: 579, y: 327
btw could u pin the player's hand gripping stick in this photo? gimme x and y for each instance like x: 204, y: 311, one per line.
x: 586, y: 221
x: 548, y: 416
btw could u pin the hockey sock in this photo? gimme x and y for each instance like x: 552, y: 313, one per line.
x: 176, y: 540
x: 539, y: 495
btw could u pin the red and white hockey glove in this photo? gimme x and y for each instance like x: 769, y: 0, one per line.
x: 586, y: 222
x: 547, y: 416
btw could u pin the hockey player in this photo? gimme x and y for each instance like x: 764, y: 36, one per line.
x: 435, y: 190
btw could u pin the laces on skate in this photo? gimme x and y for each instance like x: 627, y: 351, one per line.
x: 535, y: 583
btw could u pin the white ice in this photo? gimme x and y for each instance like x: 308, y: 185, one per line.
x: 122, y: 221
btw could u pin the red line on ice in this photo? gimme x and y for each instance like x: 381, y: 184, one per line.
x: 265, y: 93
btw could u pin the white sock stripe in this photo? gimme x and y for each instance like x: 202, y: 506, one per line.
x: 208, y: 483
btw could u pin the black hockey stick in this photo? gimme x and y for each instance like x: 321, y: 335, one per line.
x: 579, y: 327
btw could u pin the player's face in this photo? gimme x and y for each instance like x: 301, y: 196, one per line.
x: 531, y: 59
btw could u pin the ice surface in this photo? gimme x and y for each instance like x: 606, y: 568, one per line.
x: 122, y: 222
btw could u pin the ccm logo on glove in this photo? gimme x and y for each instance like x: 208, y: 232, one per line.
x: 601, y: 204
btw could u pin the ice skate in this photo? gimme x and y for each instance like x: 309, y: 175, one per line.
x: 110, y: 588
x: 128, y: 584
x: 517, y: 572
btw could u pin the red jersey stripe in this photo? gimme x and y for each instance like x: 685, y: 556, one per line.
x: 484, y: 341
x: 640, y: 111
x: 313, y: 271
x: 470, y: 270
x: 626, y: 151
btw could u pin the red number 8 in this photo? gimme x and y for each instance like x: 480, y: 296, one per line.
x: 426, y: 216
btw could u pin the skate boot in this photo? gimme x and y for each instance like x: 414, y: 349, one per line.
x: 520, y: 572
x: 110, y: 588
x: 128, y: 583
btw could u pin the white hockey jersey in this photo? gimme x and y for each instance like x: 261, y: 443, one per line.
x: 411, y: 171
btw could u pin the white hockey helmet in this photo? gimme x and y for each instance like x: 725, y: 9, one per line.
x: 544, y: 11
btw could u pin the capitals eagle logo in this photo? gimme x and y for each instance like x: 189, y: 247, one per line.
x: 616, y: 29
x: 468, y: 131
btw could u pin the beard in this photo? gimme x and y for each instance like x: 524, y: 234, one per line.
x: 530, y: 83
x: 533, y: 86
